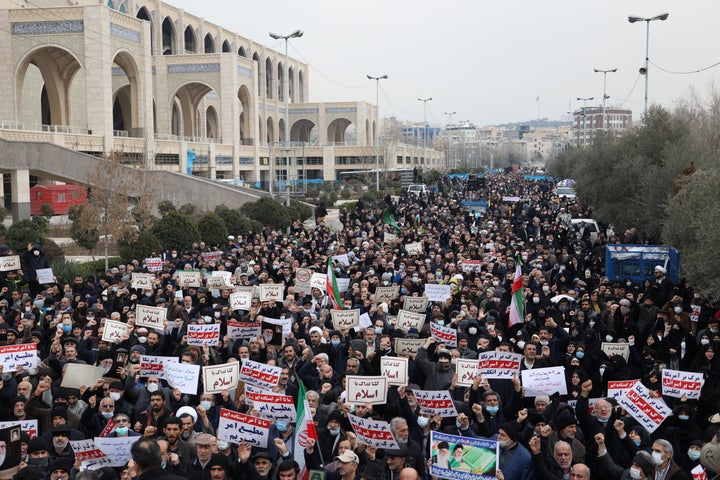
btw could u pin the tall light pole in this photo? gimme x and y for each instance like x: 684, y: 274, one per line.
x: 605, y: 97
x: 584, y: 114
x: 447, y: 160
x: 644, y: 70
x: 286, y: 94
x: 377, y: 126
x: 425, y: 100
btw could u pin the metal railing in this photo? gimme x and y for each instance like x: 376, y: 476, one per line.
x: 180, y: 138
x: 32, y: 127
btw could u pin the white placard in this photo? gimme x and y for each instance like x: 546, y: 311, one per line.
x: 215, y: 282
x: 437, y: 293
x: 89, y: 456
x: 45, y: 276
x: 203, y: 335
x: 342, y: 259
x: 387, y: 294
x: 117, y: 449
x: 408, y: 347
x: 407, y: 320
x: 495, y: 364
x: 217, y: 378
x: 445, y: 335
x: 619, y: 388
x: 183, y: 376
x: 28, y: 426
x: 236, y: 427
x: 467, y: 370
x: 544, y: 381
x: 376, y: 433
x: 622, y: 349
x: 212, y: 257
x: 364, y: 322
x: 343, y: 284
x: 189, y: 278
x: 271, y: 292
x: 114, y: 331
x: 676, y: 383
x: 78, y: 375
x: 414, y: 248
x: 319, y: 280
x: 260, y: 374
x: 142, y: 281
x: 649, y: 412
x: 371, y: 390
x: 225, y: 275
x: 270, y: 404
x: 395, y: 369
x: 154, y: 264
x: 390, y: 237
x: 11, y: 262
x: 151, y: 317
x: 302, y: 280
x: 154, y: 366
x: 240, y: 300
x: 343, y: 319
x: 20, y: 355
x: 243, y: 330
x: 415, y: 304
x: 437, y: 402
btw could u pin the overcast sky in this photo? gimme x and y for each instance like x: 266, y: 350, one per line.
x: 487, y: 60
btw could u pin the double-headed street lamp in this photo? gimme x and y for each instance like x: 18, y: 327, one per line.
x: 286, y: 94
x: 605, y: 97
x: 644, y: 70
x: 584, y: 114
x: 377, y: 126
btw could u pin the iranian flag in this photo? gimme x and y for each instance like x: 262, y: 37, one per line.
x: 517, y: 307
x: 305, y: 429
x: 331, y: 286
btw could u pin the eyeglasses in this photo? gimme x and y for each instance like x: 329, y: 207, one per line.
x: 107, y: 407
x: 122, y: 420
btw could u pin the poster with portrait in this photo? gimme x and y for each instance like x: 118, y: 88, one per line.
x: 9, y: 451
x: 463, y: 458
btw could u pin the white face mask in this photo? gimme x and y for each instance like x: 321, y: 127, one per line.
x: 635, y: 473
x: 657, y: 458
x: 115, y: 396
x: 153, y: 387
x: 521, y: 344
x: 546, y: 289
x: 536, y: 300
x: 678, y: 310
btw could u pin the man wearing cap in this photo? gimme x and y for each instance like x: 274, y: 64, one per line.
x: 61, y: 469
x: 347, y: 467
x: 199, y: 468
x: 565, y: 427
x: 37, y: 453
x: 394, y: 462
x: 438, y: 376
x: 61, y: 444
x: 219, y: 466
x: 515, y: 459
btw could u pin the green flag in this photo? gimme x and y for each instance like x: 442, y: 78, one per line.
x: 389, y: 219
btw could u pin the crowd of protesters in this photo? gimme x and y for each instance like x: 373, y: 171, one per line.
x: 570, y: 308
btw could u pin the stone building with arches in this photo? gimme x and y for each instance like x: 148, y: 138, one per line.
x: 156, y: 82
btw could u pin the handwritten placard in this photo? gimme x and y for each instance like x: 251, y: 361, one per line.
x: 395, y: 369
x: 544, y: 381
x: 270, y: 404
x: 154, y: 264
x: 649, y: 412
x: 407, y: 320
x: 619, y: 388
x: 611, y: 348
x: 151, y: 317
x: 117, y: 449
x: 467, y: 370
x: 343, y: 319
x: 260, y: 374
x: 243, y: 330
x: 437, y: 293
x: 78, y: 375
x: 415, y: 304
x: 241, y: 300
x: 114, y: 331
x: 142, y: 281
x: 154, y: 366
x: 217, y: 378
x: 183, y: 376
x: 341, y: 259
x: 8, y: 263
x: 371, y: 390
x: 271, y: 292
x: 408, y: 347
x: 215, y: 282
x: 445, y: 335
x: 189, y: 278
x: 375, y: 433
x: 387, y: 294
x: 203, y: 335
x: 495, y: 364
x: 236, y: 427
x: 21, y: 355
x: 319, y: 281
x: 414, y: 248
x: 390, y: 237
x: 45, y: 276
x: 676, y: 383
x: 437, y: 402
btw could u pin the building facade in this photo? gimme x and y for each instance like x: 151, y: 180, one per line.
x: 589, y: 121
x: 160, y: 84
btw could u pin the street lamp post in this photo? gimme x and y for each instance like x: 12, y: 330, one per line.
x: 377, y: 126
x: 605, y: 97
x: 286, y: 94
x: 425, y: 100
x: 449, y: 149
x: 584, y: 114
x: 644, y: 70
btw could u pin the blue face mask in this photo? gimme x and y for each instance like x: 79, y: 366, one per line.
x: 458, y: 425
x: 67, y: 328
x: 636, y: 442
x: 107, y: 415
x: 492, y: 410
x: 423, y: 422
x: 281, y: 425
x: 580, y: 354
x: 335, y: 343
x: 378, y: 330
x: 206, y: 405
x: 693, y: 454
x: 122, y: 430
x: 403, y: 290
x: 441, y: 322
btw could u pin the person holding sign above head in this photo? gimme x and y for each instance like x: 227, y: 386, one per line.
x: 438, y: 375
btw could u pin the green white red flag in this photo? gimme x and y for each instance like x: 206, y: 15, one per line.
x: 331, y: 286
x: 517, y: 306
x: 305, y: 429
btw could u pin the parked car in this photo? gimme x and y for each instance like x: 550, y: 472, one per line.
x: 417, y: 189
